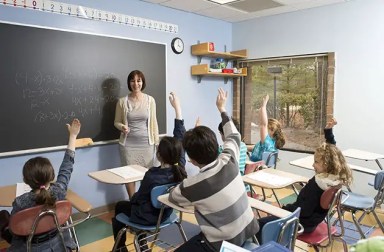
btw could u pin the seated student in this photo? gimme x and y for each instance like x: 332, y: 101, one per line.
x: 217, y: 191
x: 243, y: 150
x: 171, y: 155
x: 271, y: 135
x: 331, y: 170
x: 38, y: 173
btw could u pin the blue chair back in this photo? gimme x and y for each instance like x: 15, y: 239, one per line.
x: 160, y: 190
x: 270, y: 158
x: 282, y: 231
x: 379, y: 179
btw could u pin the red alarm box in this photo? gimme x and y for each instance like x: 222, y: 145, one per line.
x: 227, y: 70
x: 211, y: 46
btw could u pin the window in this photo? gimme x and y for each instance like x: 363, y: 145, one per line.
x: 300, y: 90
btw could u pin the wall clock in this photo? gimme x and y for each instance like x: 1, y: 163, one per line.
x: 177, y: 45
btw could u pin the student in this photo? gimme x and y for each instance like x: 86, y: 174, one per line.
x: 243, y: 150
x: 135, y: 117
x: 331, y: 170
x: 217, y: 191
x: 271, y: 135
x: 171, y: 156
x: 38, y: 173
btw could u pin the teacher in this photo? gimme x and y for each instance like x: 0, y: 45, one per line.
x: 135, y: 117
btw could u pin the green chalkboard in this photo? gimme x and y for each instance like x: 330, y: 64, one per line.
x: 48, y: 77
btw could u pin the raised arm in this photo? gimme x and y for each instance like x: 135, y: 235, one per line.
x: 73, y: 130
x: 263, y: 119
x: 328, y: 131
x: 179, y: 128
x: 232, y: 136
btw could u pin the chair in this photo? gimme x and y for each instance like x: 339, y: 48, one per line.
x: 38, y: 221
x: 283, y: 231
x: 154, y: 230
x: 353, y: 203
x: 270, y: 158
x: 325, y: 231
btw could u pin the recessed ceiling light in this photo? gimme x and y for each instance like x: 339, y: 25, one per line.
x: 223, y: 1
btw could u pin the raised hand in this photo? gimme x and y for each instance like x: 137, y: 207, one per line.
x: 198, y: 121
x: 175, y: 102
x: 74, y: 127
x: 331, y: 123
x: 265, y: 100
x: 221, y: 100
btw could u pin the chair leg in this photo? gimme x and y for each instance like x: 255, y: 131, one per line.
x: 277, y: 200
x: 72, y: 232
x: 118, y: 238
x: 378, y: 221
x: 182, y: 231
x: 357, y: 225
x: 264, y: 196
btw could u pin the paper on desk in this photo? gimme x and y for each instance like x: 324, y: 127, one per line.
x: 126, y: 172
x: 229, y: 247
x: 268, y: 178
x: 22, y: 188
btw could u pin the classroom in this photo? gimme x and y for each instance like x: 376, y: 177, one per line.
x: 350, y: 29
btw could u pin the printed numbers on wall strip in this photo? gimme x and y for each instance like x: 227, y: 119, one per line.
x: 93, y: 14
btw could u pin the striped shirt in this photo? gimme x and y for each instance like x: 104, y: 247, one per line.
x: 218, y: 195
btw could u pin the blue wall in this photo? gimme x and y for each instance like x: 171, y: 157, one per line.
x: 198, y: 99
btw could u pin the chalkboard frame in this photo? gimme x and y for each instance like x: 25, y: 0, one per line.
x: 160, y: 99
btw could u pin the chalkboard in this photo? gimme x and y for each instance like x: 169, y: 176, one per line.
x: 48, y: 77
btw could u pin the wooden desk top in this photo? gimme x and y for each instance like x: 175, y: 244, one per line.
x: 164, y: 199
x: 273, y: 179
x: 108, y: 177
x: 307, y: 163
x: 363, y: 155
x: 8, y: 194
x: 268, y: 208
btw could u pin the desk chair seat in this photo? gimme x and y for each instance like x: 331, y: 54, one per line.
x: 38, y: 225
x: 353, y: 203
x: 144, y: 233
x: 325, y: 232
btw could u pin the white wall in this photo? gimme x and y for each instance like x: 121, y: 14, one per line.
x: 197, y: 99
x: 355, y: 32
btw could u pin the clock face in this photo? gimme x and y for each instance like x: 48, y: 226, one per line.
x: 177, y: 45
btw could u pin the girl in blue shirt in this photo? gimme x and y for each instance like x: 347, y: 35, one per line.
x: 271, y: 135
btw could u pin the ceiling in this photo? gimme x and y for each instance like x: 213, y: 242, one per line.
x: 241, y: 10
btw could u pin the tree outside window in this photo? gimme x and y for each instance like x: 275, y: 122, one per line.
x: 301, y: 97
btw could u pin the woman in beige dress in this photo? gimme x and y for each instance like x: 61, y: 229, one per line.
x: 135, y: 117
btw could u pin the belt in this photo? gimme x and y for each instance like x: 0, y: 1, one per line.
x: 43, y: 237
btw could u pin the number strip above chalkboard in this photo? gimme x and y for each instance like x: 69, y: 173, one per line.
x: 92, y: 14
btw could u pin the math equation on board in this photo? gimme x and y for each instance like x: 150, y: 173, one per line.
x: 42, y: 90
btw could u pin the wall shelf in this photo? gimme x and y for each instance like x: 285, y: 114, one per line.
x: 202, y: 50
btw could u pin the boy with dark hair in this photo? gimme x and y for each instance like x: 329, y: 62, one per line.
x: 217, y: 191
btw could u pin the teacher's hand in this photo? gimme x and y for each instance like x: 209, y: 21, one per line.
x: 125, y: 129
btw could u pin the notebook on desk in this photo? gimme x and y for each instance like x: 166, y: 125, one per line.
x: 126, y: 172
x: 268, y: 178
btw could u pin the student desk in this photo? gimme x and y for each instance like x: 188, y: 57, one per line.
x: 268, y: 208
x: 257, y: 204
x: 108, y: 177
x: 307, y: 163
x: 273, y: 179
x: 164, y: 199
x: 364, y: 155
x: 8, y: 194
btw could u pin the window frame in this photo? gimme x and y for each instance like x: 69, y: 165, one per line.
x: 242, y: 94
